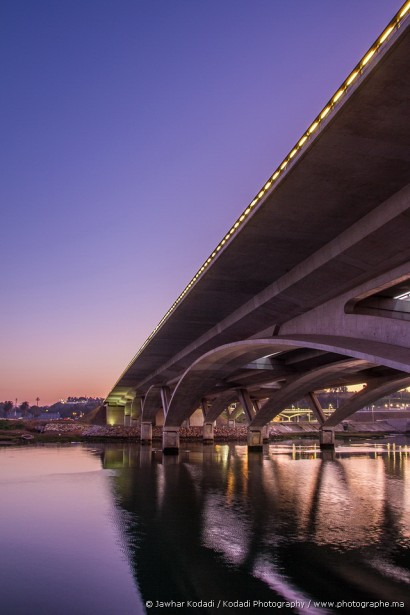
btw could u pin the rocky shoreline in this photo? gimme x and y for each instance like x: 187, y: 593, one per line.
x: 62, y: 431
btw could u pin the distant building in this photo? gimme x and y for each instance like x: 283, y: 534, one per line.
x: 82, y: 400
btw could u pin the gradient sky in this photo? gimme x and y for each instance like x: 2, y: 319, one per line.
x: 133, y: 133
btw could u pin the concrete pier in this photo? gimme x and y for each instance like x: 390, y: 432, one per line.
x: 265, y: 434
x: 327, y: 439
x: 115, y: 415
x: 146, y: 433
x: 255, y: 438
x: 208, y: 433
x: 127, y: 413
x: 136, y: 411
x: 170, y: 440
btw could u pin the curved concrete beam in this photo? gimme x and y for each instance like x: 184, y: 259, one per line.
x: 303, y: 384
x: 378, y: 353
x: 207, y: 371
x: 210, y: 369
x: 219, y: 405
x: 154, y: 401
x: 371, y: 393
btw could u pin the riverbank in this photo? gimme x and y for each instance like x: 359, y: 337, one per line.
x: 35, y: 432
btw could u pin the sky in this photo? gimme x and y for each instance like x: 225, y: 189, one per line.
x: 133, y: 134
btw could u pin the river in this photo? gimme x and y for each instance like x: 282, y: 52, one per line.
x: 119, y: 529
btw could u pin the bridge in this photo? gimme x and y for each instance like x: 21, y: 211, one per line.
x: 310, y: 287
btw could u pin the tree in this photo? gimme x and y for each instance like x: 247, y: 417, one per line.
x: 24, y: 408
x: 7, y: 407
x: 35, y: 411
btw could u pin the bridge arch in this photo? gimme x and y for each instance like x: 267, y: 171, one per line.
x: 373, y: 392
x: 300, y: 386
x: 212, y: 367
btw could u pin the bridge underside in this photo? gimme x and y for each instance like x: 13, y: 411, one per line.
x: 312, y: 290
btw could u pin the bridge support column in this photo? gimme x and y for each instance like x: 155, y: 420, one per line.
x: 170, y: 440
x: 127, y: 413
x: 246, y: 403
x: 146, y: 433
x: 136, y: 410
x: 265, y: 434
x: 327, y: 438
x: 115, y: 415
x: 255, y: 438
x: 208, y: 433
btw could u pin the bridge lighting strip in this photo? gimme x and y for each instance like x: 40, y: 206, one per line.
x: 331, y: 104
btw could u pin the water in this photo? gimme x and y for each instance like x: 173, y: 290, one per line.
x: 110, y: 528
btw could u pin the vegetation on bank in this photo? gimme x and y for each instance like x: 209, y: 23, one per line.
x: 72, y: 407
x: 11, y: 425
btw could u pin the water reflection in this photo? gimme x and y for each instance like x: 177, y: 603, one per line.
x: 61, y: 551
x: 217, y: 523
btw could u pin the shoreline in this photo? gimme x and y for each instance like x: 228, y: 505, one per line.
x: 53, y: 433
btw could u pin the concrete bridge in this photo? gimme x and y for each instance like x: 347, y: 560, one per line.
x: 310, y: 287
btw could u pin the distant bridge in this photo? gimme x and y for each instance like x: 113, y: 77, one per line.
x: 309, y: 288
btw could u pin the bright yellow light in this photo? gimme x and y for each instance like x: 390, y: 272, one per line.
x: 260, y: 195
x: 293, y: 152
x: 242, y: 218
x: 405, y: 9
x: 267, y: 185
x: 386, y: 34
x: 275, y: 175
x: 236, y: 225
x: 253, y: 203
x: 283, y: 165
x: 325, y: 112
x: 352, y: 77
x: 247, y: 211
x: 313, y: 127
x: 337, y: 95
x: 368, y: 56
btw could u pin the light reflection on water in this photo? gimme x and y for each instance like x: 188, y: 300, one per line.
x: 291, y: 524
x: 103, y: 530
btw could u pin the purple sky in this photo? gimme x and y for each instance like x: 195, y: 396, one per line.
x: 133, y: 133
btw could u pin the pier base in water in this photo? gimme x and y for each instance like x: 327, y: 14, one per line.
x: 327, y: 439
x: 208, y: 433
x: 255, y: 438
x: 146, y: 433
x: 170, y: 440
x: 265, y: 434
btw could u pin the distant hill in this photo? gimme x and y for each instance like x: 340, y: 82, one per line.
x: 74, y: 409
x: 97, y: 416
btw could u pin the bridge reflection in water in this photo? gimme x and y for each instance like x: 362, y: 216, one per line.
x: 224, y: 523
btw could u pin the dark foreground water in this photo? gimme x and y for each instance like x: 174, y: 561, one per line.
x: 111, y: 529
